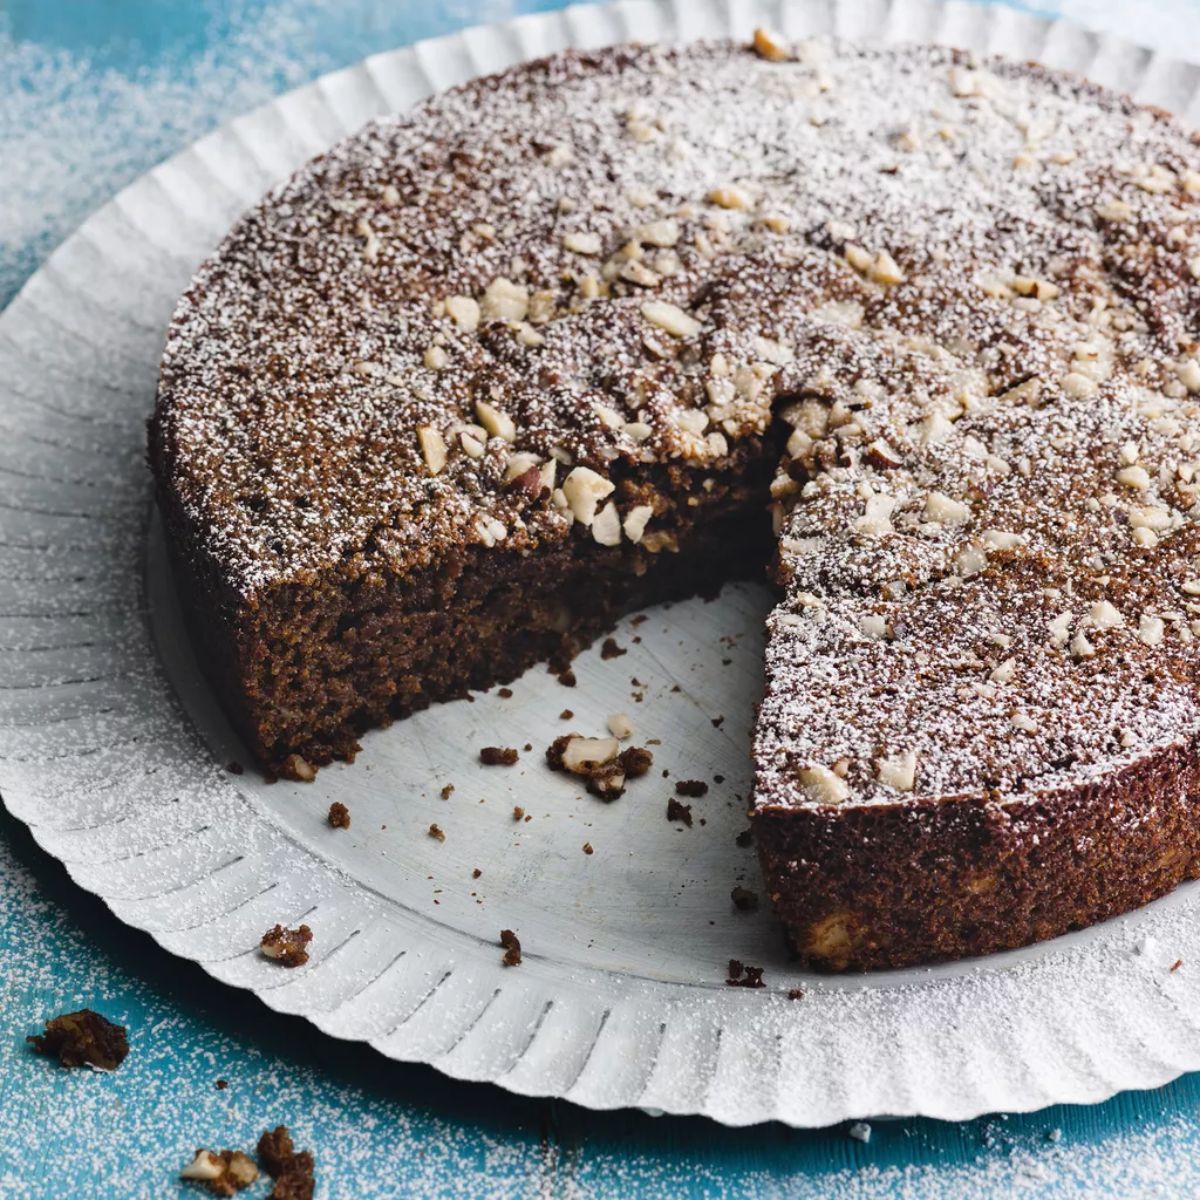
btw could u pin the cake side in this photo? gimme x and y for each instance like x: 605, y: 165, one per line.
x: 890, y: 885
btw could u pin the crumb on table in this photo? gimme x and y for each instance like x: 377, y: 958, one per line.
x: 224, y: 1172
x: 82, y: 1038
x: 291, y: 1169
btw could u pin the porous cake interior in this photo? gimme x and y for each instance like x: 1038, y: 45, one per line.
x: 319, y: 663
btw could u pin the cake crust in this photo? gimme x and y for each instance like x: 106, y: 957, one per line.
x: 488, y: 374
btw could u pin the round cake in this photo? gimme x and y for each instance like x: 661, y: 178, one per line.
x: 916, y: 335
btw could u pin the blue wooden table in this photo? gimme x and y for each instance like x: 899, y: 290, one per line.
x: 93, y: 92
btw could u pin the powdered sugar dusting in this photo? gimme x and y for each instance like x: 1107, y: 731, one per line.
x: 971, y: 284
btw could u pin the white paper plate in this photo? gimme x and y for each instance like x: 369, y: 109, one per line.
x: 113, y: 751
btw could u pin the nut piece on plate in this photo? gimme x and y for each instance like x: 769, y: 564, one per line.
x: 770, y: 45
x: 583, y: 755
x: 620, y: 726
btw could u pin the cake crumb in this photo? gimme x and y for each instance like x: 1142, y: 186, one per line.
x: 475, y: 874
x: 297, y: 767
x: 741, y: 975
x: 235, y: 768
x: 1176, y: 965
x: 82, y: 1038
x: 636, y: 761
x: 518, y: 812
x: 339, y: 815
x: 587, y: 848
x: 512, y: 948
x: 292, y: 1170
x: 287, y: 947
x: 437, y: 833
x: 795, y: 994
x: 448, y: 791
x: 221, y: 1084
x: 679, y: 812
x: 691, y: 788
x: 745, y: 838
x: 567, y: 678
x: 610, y: 649
x: 565, y: 715
x: 505, y: 693
x: 599, y: 761
x: 744, y: 900
x: 498, y: 756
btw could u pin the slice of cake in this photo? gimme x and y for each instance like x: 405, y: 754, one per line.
x: 563, y: 341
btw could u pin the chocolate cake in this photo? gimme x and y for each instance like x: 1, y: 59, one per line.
x: 917, y: 331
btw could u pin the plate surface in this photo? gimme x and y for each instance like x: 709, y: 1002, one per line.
x: 114, y: 752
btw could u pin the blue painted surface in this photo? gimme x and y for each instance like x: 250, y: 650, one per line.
x: 92, y: 92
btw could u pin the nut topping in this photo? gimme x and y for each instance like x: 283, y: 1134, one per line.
x: 897, y: 771
x: 769, y: 45
x: 584, y: 489
x: 670, y: 318
x: 464, y: 312
x: 433, y: 448
x: 582, y: 243
x: 504, y: 301
x: 823, y: 786
x: 497, y: 423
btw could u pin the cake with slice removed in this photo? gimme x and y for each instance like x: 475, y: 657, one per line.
x: 549, y: 347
